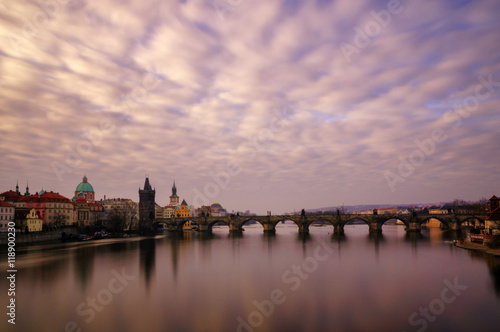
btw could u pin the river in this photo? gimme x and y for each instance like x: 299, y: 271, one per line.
x: 257, y: 282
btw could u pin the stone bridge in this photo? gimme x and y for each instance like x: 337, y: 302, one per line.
x: 375, y: 221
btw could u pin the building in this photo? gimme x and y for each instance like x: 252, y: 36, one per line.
x: 11, y: 196
x: 169, y: 211
x: 203, y: 211
x: 146, y: 205
x: 7, y: 211
x: 174, y: 199
x: 183, y: 210
x: 492, y: 221
x: 217, y: 210
x: 86, y: 190
x: 87, y: 211
x: 158, y: 211
x: 82, y: 212
x: 53, y: 208
x: 387, y: 211
x: 29, y: 220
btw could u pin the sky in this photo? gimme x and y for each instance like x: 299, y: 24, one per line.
x: 258, y: 105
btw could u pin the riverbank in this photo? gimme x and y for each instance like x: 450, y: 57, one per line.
x: 478, y: 247
x: 38, y: 237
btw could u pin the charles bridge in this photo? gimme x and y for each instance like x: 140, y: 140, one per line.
x: 413, y: 222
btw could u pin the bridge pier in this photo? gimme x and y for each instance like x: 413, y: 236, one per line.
x: 338, y: 229
x: 413, y: 227
x: 303, y: 228
x: 269, y: 228
x: 235, y: 228
x: 202, y: 227
x: 375, y: 227
x: 172, y: 227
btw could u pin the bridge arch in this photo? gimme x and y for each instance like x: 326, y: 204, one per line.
x: 445, y: 223
x: 320, y: 218
x: 213, y: 222
x: 356, y: 218
x: 251, y: 219
x: 320, y: 222
x: 181, y: 223
x: 386, y: 219
x: 283, y: 220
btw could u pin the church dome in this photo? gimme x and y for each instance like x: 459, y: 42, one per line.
x: 84, y: 186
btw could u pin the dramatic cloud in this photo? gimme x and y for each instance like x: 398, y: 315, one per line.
x: 260, y: 105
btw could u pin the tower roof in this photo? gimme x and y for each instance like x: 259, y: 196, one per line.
x: 147, y: 185
x: 84, y: 186
x: 174, y: 190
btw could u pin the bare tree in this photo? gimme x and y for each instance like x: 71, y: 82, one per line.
x: 59, y: 219
x: 117, y: 220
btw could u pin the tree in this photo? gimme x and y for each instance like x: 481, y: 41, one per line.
x: 130, y: 214
x: 59, y: 219
x: 117, y: 221
x: 481, y: 206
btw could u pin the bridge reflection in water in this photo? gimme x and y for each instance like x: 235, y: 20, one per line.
x: 413, y: 223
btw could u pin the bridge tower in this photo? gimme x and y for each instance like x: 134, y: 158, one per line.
x: 146, y: 206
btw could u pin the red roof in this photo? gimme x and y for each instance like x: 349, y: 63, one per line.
x: 81, y: 200
x: 6, y: 204
x: 50, y: 197
x: 11, y: 196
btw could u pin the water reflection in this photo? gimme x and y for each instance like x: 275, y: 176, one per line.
x: 84, y: 264
x: 494, y: 268
x: 147, y: 248
x: 376, y: 238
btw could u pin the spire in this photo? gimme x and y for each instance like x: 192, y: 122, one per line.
x: 17, y: 186
x: 174, y: 190
x: 147, y: 186
x: 27, y: 193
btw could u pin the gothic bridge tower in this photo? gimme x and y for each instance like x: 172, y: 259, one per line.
x: 146, y: 205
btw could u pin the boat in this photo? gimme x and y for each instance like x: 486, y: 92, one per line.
x: 83, y: 237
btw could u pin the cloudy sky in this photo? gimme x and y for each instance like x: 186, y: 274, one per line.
x: 260, y: 105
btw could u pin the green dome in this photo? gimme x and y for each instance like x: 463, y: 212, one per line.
x: 84, y: 186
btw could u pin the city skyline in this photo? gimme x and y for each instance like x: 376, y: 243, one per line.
x: 259, y: 106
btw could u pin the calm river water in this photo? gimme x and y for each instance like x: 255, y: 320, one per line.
x: 255, y: 282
